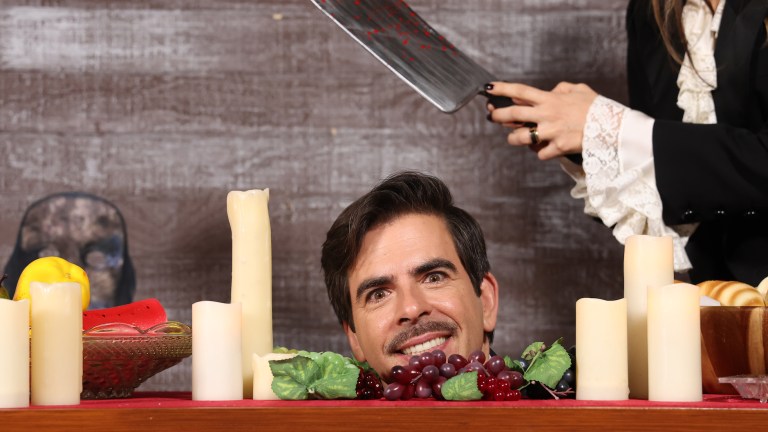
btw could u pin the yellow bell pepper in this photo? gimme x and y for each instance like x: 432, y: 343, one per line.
x: 51, y: 270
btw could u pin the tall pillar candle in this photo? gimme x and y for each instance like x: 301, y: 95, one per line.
x: 674, y: 343
x: 14, y: 353
x: 648, y: 261
x: 252, y: 273
x: 601, y: 354
x: 57, y: 343
x: 262, y: 375
x: 217, y: 370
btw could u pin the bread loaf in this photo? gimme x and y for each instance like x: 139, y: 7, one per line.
x: 763, y: 289
x: 731, y: 293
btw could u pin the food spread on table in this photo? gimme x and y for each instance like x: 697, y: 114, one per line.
x: 51, y: 299
x: 540, y: 372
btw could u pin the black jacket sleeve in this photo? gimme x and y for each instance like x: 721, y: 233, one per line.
x: 707, y: 172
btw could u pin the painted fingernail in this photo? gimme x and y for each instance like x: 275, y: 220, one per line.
x: 489, y: 86
x: 489, y: 118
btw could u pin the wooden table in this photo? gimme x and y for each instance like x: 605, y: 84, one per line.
x: 175, y: 412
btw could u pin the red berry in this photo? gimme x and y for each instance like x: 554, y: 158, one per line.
x: 393, y: 391
x: 476, y: 356
x: 499, y: 395
x: 514, y: 395
x: 400, y: 374
x: 426, y: 359
x: 437, y: 388
x: 439, y: 357
x: 457, y: 360
x: 368, y: 386
x: 408, y: 392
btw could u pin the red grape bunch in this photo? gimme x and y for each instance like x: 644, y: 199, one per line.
x: 369, y: 386
x: 425, y: 374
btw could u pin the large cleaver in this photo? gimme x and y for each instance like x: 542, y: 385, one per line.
x: 413, y: 50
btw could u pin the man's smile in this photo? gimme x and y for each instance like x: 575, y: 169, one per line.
x: 424, y: 346
x: 421, y: 337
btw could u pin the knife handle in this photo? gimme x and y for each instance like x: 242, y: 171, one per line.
x: 503, y: 101
x: 497, y: 101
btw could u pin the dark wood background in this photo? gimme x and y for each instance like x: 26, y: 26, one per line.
x: 163, y: 106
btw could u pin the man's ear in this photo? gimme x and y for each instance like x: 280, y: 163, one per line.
x: 353, y: 343
x: 489, y: 297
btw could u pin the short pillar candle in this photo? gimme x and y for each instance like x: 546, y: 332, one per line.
x: 674, y: 343
x: 217, y: 372
x: 14, y: 353
x: 601, y: 354
x: 57, y: 343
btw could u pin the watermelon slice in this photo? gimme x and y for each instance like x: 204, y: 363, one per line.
x: 143, y: 314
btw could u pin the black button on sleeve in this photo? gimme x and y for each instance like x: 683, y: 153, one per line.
x: 688, y: 215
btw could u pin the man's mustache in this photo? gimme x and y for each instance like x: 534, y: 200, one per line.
x: 418, y: 330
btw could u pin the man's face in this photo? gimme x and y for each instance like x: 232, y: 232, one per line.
x: 411, y: 294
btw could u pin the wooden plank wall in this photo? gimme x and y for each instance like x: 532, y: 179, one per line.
x: 163, y: 106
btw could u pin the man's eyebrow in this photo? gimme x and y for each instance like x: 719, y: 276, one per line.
x: 379, y: 281
x: 370, y: 284
x: 432, y: 265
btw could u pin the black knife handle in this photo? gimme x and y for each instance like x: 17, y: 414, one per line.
x: 503, y: 102
x: 498, y: 101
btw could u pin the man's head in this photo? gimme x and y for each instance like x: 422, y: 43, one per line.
x: 407, y: 272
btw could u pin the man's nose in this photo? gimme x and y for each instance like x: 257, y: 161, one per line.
x: 413, y: 304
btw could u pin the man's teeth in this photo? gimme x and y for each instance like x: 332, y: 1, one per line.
x: 422, y: 347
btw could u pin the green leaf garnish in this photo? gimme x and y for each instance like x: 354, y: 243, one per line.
x: 338, y: 377
x: 548, y: 366
x: 462, y: 387
x: 313, y: 375
x: 336, y: 386
x: 362, y: 365
x: 292, y: 377
x: 513, y: 364
x: 533, y: 350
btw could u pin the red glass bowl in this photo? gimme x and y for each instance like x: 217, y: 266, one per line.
x: 118, y: 357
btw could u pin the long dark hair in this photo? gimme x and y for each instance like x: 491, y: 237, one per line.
x: 669, y: 18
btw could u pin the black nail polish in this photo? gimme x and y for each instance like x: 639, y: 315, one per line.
x: 489, y: 86
x: 489, y: 118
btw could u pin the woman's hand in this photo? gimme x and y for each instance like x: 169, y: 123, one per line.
x: 559, y: 116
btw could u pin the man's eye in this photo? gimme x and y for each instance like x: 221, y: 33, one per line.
x: 434, y: 277
x: 377, y: 295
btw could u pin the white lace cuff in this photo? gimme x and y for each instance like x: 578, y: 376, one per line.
x: 625, y: 199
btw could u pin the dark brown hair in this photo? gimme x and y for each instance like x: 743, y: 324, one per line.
x: 668, y: 15
x: 400, y: 194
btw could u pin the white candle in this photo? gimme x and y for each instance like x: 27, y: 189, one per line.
x: 262, y: 375
x: 648, y: 261
x: 57, y: 343
x: 217, y: 371
x: 14, y: 353
x: 674, y: 343
x: 601, y: 353
x: 252, y: 273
